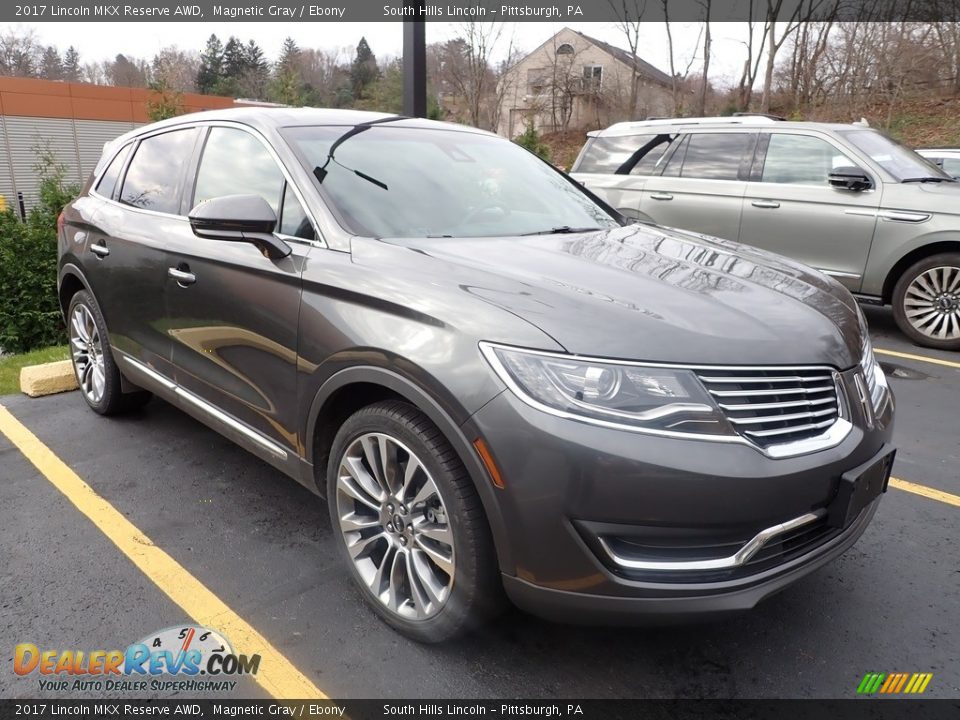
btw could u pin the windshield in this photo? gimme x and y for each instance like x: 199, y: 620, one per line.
x: 901, y: 162
x: 388, y: 181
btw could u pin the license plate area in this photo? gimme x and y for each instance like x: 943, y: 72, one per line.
x: 859, y: 487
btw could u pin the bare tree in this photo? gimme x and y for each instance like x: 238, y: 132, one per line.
x: 629, y: 15
x: 751, y: 65
x: 774, y: 43
x: 469, y: 66
x: 21, y: 54
x: 707, y: 42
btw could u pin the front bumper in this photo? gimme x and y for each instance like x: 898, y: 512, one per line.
x: 569, y: 484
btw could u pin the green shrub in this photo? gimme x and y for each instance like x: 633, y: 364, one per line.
x: 29, y: 309
x: 531, y: 140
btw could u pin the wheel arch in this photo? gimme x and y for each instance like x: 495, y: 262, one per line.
x: 69, y: 282
x: 915, y: 255
x: 352, y: 388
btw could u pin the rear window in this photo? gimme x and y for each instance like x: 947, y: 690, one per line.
x: 713, y: 156
x: 155, y: 176
x: 606, y: 154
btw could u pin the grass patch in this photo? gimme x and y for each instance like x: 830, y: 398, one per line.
x: 10, y: 365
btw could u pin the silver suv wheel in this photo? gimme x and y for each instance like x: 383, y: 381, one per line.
x: 395, y: 526
x: 87, y: 352
x: 932, y: 303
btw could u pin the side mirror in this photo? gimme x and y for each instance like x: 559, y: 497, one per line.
x: 850, y: 177
x: 239, y: 218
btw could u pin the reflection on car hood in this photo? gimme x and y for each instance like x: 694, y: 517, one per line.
x: 650, y: 293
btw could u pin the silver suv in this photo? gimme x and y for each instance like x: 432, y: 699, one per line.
x: 844, y: 199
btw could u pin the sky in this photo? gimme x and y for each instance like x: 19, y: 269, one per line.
x: 100, y: 41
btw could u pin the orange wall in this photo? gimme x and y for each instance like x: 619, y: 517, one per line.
x: 28, y: 97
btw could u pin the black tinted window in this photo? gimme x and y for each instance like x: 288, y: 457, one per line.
x: 715, y: 156
x: 294, y: 220
x: 154, y: 178
x: 606, y: 154
x: 234, y: 162
x: 108, y: 181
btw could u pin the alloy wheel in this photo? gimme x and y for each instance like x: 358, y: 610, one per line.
x: 395, y: 526
x: 932, y: 303
x: 87, y: 352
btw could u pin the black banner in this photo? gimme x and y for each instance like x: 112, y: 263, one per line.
x: 863, y: 709
x: 473, y: 10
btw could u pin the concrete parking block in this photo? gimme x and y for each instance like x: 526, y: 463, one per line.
x: 48, y: 378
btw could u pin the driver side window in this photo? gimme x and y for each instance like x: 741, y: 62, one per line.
x: 234, y: 162
x: 801, y: 159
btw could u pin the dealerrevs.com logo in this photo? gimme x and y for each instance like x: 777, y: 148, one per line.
x: 187, y: 652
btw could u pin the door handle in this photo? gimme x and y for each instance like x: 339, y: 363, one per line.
x: 182, y: 277
x: 765, y: 204
x: 661, y: 196
x: 101, y: 251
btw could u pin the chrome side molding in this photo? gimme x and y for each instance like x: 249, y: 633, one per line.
x: 208, y: 409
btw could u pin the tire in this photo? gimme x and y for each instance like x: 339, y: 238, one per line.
x: 417, y: 594
x: 93, y: 365
x: 931, y: 284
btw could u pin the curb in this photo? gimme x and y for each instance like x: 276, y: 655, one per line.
x: 48, y: 378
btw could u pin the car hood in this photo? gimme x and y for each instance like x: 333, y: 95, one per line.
x: 649, y: 293
x: 940, y: 198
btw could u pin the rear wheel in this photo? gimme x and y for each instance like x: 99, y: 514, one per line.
x: 926, y: 302
x: 97, y: 374
x: 411, y: 527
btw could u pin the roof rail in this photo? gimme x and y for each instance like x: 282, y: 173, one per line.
x: 625, y: 128
x: 760, y: 115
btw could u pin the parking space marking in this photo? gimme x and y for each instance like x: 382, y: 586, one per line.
x: 927, y: 492
x: 277, y: 675
x: 920, y: 358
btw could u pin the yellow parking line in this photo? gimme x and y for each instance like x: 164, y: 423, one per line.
x: 920, y: 358
x: 276, y: 675
x: 927, y: 492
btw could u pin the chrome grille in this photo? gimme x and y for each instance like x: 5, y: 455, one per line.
x: 770, y: 406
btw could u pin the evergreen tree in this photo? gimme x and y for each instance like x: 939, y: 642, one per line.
x: 233, y: 67
x: 364, y: 69
x: 211, y: 66
x: 51, y: 67
x: 72, y: 72
x: 254, y: 83
x: 287, y: 80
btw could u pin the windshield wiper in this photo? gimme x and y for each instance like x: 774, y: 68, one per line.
x: 561, y: 230
x: 926, y: 179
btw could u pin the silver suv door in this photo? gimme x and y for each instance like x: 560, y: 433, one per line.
x: 702, y: 183
x: 790, y: 207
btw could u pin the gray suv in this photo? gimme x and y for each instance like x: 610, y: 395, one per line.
x: 496, y: 381
x: 843, y: 199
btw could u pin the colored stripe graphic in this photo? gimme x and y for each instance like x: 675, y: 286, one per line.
x: 894, y: 683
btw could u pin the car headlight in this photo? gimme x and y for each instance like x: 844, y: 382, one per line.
x: 638, y: 397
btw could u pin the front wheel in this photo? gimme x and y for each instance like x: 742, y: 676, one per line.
x: 926, y: 302
x: 411, y: 527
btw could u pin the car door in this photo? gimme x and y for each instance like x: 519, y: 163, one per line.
x: 126, y: 266
x: 702, y: 183
x: 233, y: 311
x: 790, y: 208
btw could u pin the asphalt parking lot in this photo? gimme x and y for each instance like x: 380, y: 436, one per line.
x: 260, y: 543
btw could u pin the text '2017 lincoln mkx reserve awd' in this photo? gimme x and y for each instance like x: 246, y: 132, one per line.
x: 497, y: 382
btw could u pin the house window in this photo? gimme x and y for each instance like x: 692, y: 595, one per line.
x: 592, y: 77
x: 565, y: 49
x: 537, y: 80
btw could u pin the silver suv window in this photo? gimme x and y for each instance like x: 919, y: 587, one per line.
x: 801, y: 159
x: 711, y: 156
